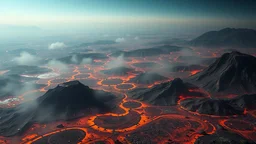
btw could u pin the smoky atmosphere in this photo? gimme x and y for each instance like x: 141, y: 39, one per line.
x: 127, y: 72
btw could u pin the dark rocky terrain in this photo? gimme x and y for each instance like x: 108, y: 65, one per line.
x: 165, y: 94
x: 223, y: 137
x: 192, y: 67
x: 221, y: 107
x: 70, y: 98
x: 233, y: 72
x: 208, y: 106
x: 67, y: 101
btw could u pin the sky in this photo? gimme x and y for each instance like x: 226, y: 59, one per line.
x: 63, y: 15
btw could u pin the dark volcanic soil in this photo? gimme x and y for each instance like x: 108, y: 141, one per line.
x: 223, y: 137
x: 234, y: 72
x: 72, y: 136
x: 66, y: 101
x: 221, y: 107
x: 165, y: 93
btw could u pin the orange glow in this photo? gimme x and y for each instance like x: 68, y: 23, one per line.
x: 190, y: 122
x: 195, y: 72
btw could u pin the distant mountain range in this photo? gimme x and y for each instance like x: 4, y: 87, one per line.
x: 154, y: 51
x: 99, y: 42
x: 226, y: 38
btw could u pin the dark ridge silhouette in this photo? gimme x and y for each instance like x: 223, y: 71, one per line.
x: 246, y: 101
x: 67, y: 101
x: 233, y: 72
x: 192, y: 67
x: 173, y: 41
x: 221, y: 107
x: 147, y: 78
x: 120, y: 71
x: 228, y: 37
x: 164, y: 49
x: 208, y: 106
x: 165, y: 94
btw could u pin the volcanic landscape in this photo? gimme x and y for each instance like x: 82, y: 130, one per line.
x: 161, y: 94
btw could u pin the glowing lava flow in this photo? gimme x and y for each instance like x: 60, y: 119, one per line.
x: 144, y: 119
x: 74, y: 76
x: 241, y: 127
x: 30, y: 141
x: 126, y: 111
x: 190, y: 123
x: 195, y: 72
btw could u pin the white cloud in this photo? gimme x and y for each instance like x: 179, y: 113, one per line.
x: 57, y: 64
x: 136, y: 38
x: 118, y: 62
x: 119, y: 40
x: 48, y: 75
x: 26, y: 59
x: 86, y: 61
x: 7, y: 101
x: 74, y: 59
x: 57, y: 45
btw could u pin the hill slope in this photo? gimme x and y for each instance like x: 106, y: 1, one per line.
x: 233, y: 72
x: 165, y: 94
x: 221, y: 107
x: 66, y: 101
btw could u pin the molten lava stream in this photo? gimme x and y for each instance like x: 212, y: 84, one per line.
x: 241, y: 127
x: 142, y: 121
x: 84, y: 140
x: 204, y: 125
x: 193, y: 72
x: 76, y: 71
